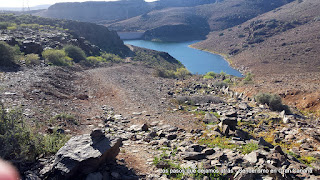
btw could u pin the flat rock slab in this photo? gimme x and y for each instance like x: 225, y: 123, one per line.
x: 192, y: 156
x: 82, y: 155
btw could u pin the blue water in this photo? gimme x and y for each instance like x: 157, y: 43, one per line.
x: 194, y: 60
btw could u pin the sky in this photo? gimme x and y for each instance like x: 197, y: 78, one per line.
x: 19, y: 3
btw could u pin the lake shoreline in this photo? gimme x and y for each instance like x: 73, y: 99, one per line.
x: 225, y: 57
x: 197, y: 61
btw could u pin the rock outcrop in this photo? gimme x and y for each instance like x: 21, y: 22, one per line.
x: 37, y: 33
x: 82, y: 155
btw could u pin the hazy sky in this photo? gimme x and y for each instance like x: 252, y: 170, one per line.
x: 19, y: 3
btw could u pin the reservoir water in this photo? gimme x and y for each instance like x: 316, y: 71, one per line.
x: 194, y: 60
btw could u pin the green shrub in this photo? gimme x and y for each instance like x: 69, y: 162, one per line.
x: 53, y: 142
x: 248, y: 78
x: 111, y: 58
x: 275, y: 103
x: 56, y: 57
x: 263, y: 98
x: 182, y: 73
x: 179, y: 73
x: 4, y: 25
x: 76, y: 53
x: 91, y: 61
x: 164, y: 73
x: 228, y: 81
x: 14, y: 27
x: 272, y: 100
x: 17, y: 141
x: 209, y: 75
x: 32, y: 59
x: 222, y: 73
x: 7, y: 54
x: 20, y: 142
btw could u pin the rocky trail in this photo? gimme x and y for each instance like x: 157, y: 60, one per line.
x: 133, y: 92
x: 152, y: 125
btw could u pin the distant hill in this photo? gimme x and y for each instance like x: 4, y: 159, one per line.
x: 97, y: 11
x: 43, y: 6
x: 112, y: 11
x: 167, y: 24
x: 286, y: 36
x: 281, y: 48
x: 167, y: 20
x: 197, y: 21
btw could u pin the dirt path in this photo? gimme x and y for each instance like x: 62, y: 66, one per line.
x: 134, y: 93
x: 139, y: 97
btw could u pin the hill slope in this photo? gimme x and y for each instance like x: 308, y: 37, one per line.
x: 98, y: 35
x: 164, y: 19
x: 280, y: 47
x: 112, y: 11
x: 197, y: 21
x: 96, y: 11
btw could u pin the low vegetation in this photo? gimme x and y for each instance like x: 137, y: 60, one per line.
x: 209, y: 75
x: 51, y: 143
x: 75, y: 53
x: 11, y: 55
x: 272, y: 100
x: 173, y: 169
x: 108, y: 57
x: 304, y: 159
x: 20, y: 142
x: 248, y: 78
x: 180, y: 73
x: 91, y: 61
x: 32, y: 59
x: 248, y: 148
x: 7, y: 54
x: 221, y: 142
x: 56, y: 57
x: 64, y: 117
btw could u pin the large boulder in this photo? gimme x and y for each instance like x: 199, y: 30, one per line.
x: 82, y: 155
x: 231, y: 122
x: 29, y: 47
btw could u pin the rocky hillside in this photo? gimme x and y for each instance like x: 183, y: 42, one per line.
x: 195, y: 22
x: 35, y: 30
x: 168, y: 24
x: 283, y: 40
